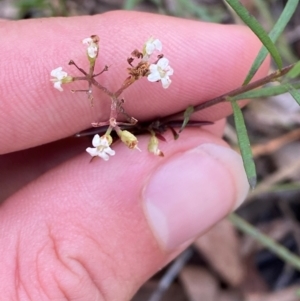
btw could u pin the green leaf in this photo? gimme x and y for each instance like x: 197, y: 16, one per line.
x: 294, y: 93
x: 244, y: 143
x: 295, y: 71
x: 257, y: 29
x: 274, y: 34
x: 283, y: 253
x: 266, y: 92
x: 186, y: 117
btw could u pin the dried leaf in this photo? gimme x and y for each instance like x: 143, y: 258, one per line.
x: 199, y: 284
x: 221, y: 248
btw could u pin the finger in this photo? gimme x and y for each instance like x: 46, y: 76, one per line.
x: 208, y: 60
x: 20, y: 168
x: 98, y: 231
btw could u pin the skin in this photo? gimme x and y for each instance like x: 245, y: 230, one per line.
x: 75, y: 230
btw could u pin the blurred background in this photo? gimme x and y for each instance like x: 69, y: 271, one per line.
x: 225, y: 264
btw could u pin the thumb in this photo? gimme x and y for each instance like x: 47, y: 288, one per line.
x: 98, y: 231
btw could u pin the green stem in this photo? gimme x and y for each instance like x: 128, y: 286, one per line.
x: 266, y: 241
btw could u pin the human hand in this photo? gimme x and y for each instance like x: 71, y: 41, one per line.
x: 97, y: 231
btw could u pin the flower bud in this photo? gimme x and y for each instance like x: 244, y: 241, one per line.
x: 129, y: 139
x: 153, y: 146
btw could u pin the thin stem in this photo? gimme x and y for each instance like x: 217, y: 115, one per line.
x: 170, y: 275
x: 91, y: 71
x: 116, y: 103
x: 90, y: 76
x: 80, y: 69
x: 127, y: 83
x: 79, y: 78
x: 273, y: 76
x: 266, y: 241
x: 103, y: 89
x: 116, y: 106
x: 74, y: 91
x: 104, y: 69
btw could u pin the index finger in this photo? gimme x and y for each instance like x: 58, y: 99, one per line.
x: 208, y: 60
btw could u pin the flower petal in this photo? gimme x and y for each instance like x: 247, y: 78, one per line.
x: 150, y: 48
x: 57, y: 85
x: 56, y: 71
x: 96, y: 141
x: 103, y: 155
x: 170, y: 71
x: 153, y: 77
x: 92, y: 51
x: 92, y: 151
x: 166, y: 82
x: 163, y: 63
x: 110, y: 151
x: 87, y: 41
x: 158, y: 44
x: 153, y: 68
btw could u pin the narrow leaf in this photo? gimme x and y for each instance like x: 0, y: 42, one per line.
x: 274, y: 34
x: 244, y: 144
x: 295, y: 71
x: 257, y: 29
x: 283, y: 253
x: 186, y: 117
x: 266, y: 92
x: 295, y: 93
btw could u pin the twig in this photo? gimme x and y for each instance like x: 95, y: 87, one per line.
x: 170, y: 275
x: 273, y: 76
x: 275, y: 144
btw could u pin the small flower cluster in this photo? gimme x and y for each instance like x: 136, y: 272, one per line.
x: 159, y: 70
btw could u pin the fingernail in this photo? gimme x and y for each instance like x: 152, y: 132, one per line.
x: 192, y: 191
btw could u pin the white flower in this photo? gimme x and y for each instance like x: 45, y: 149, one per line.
x: 59, y: 76
x: 161, y: 71
x: 101, y: 148
x: 92, y: 49
x: 151, y: 45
